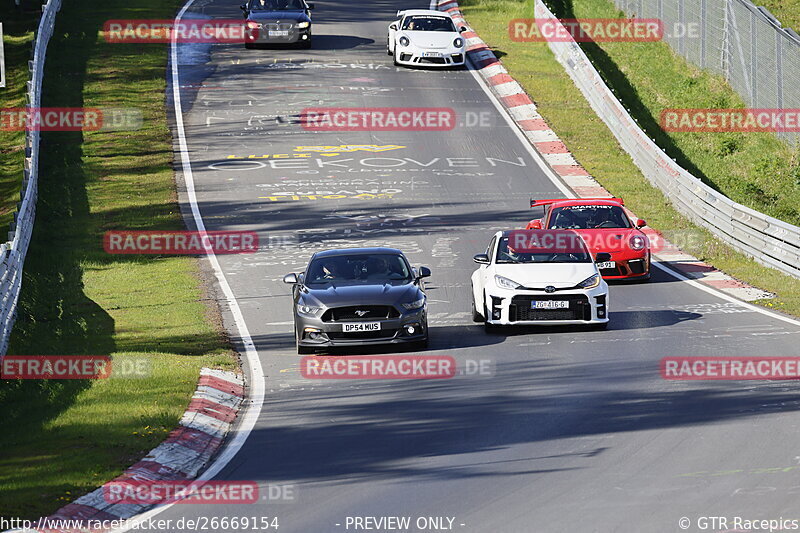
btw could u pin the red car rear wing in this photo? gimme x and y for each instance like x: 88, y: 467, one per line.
x: 537, y: 203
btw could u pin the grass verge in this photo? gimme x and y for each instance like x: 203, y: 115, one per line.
x: 594, y: 146
x: 64, y: 438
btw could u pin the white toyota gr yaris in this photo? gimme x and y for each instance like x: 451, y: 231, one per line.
x: 542, y: 277
x: 424, y: 37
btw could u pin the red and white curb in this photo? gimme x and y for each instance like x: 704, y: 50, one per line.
x: 558, y: 157
x: 182, y: 456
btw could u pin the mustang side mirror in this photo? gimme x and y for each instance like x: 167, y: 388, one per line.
x: 602, y: 257
x: 243, y: 7
x: 640, y: 223
x: 462, y: 29
x: 393, y: 26
x: 481, y: 259
x: 290, y: 278
x: 310, y: 6
x: 423, y: 272
x: 534, y: 224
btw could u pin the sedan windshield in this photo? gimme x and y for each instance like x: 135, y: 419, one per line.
x: 505, y: 255
x: 428, y: 23
x: 588, y: 217
x: 359, y: 268
x: 277, y: 5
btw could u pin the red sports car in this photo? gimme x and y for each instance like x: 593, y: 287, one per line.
x: 606, y: 227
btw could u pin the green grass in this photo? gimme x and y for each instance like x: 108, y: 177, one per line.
x: 17, y: 38
x: 787, y: 11
x: 64, y: 438
x: 568, y: 113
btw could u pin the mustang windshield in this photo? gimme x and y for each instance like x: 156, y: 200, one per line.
x: 359, y: 268
x: 505, y: 255
x: 427, y: 23
x: 588, y: 217
x: 277, y: 5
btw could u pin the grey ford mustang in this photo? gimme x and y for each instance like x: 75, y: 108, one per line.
x: 358, y: 296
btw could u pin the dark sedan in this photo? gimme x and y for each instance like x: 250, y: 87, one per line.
x: 277, y: 22
x: 359, y: 296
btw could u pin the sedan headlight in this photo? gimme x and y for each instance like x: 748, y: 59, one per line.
x: 253, y: 25
x: 404, y: 41
x: 302, y: 25
x: 308, y: 310
x: 459, y: 42
x: 638, y: 242
x: 505, y: 283
x: 415, y: 305
x: 590, y: 283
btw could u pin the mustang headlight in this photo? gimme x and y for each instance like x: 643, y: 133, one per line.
x: 404, y: 41
x: 302, y: 25
x: 308, y: 310
x: 591, y: 282
x: 415, y: 305
x: 459, y: 42
x: 505, y: 283
x: 637, y: 242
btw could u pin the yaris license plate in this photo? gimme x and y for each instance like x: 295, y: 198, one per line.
x: 607, y: 264
x: 361, y: 326
x: 431, y: 54
x: 550, y: 304
x: 278, y: 33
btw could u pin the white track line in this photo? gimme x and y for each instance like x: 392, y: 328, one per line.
x: 256, y: 387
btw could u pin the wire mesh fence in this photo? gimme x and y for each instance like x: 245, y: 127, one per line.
x: 744, y: 43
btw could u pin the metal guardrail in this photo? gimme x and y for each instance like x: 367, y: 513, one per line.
x: 769, y: 241
x: 12, y: 253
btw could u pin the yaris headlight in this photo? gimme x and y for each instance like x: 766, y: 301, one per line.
x: 505, y: 283
x: 417, y: 304
x: 591, y: 282
x: 404, y: 41
x: 459, y: 42
x: 308, y: 310
x: 302, y: 25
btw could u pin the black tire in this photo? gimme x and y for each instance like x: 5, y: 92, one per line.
x: 420, y: 346
x: 476, y: 316
x: 249, y: 46
x: 305, y: 45
x: 599, y: 327
x: 302, y: 350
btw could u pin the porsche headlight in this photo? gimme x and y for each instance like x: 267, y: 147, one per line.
x: 591, y: 282
x: 459, y: 42
x: 404, y: 41
x: 415, y: 305
x: 505, y: 283
x: 637, y: 242
x: 308, y: 310
x: 253, y: 25
x: 302, y: 25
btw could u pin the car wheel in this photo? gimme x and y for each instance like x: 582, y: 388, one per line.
x: 599, y: 327
x: 476, y: 316
x: 302, y: 350
x: 249, y: 46
x: 388, y: 51
x: 305, y: 45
